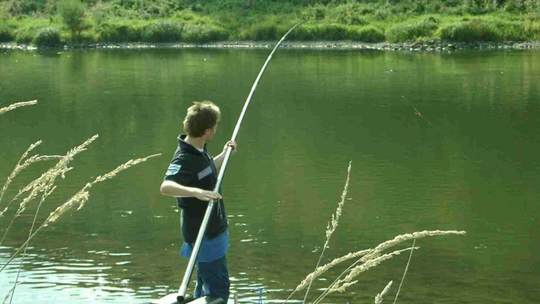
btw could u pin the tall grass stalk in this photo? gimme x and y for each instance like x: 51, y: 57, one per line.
x: 44, y: 183
x: 78, y: 200
x: 340, y: 285
x: 404, y: 273
x: 44, y: 196
x: 331, y: 226
x: 20, y: 166
x: 59, y: 170
x: 367, y: 256
x: 407, y: 237
x: 17, y: 105
x: 322, y: 269
x: 380, y: 296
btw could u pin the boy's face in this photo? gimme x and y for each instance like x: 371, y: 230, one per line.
x: 210, y: 133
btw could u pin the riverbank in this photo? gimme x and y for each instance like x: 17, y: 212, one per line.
x: 425, y: 46
x: 110, y: 22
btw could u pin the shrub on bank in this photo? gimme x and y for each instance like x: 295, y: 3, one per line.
x: 349, y: 13
x: 86, y: 37
x: 484, y: 30
x: 469, y: 31
x: 410, y: 31
x: 25, y: 35
x: 310, y: 32
x: 367, y: 34
x: 162, y: 31
x: 72, y: 13
x: 266, y: 30
x: 48, y: 37
x: 118, y: 32
x: 532, y: 29
x: 6, y: 32
x: 335, y: 32
x: 203, y: 33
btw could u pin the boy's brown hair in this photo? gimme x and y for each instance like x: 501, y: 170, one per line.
x: 202, y: 115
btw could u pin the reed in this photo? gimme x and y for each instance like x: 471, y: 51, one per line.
x: 368, y: 265
x: 49, y: 177
x: 375, y: 256
x: 45, y: 182
x: 332, y: 225
x: 407, y: 237
x: 380, y: 296
x: 45, y: 195
x: 341, y: 285
x: 365, y: 259
x: 22, y: 164
x: 16, y: 105
x: 322, y: 269
x: 78, y: 200
x: 404, y: 273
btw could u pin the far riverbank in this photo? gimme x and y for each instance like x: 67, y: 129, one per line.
x: 425, y: 46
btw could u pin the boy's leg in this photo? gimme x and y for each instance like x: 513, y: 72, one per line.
x: 215, y: 278
x: 199, y: 286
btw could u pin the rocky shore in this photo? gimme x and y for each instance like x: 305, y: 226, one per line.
x: 424, y: 46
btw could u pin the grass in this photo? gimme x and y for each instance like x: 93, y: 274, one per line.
x: 412, y: 30
x: 16, y: 105
x: 39, y: 190
x: 363, y: 260
x: 157, y: 21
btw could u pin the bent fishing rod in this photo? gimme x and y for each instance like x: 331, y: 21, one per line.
x: 192, y: 259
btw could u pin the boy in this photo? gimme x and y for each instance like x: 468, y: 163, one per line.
x: 191, y: 178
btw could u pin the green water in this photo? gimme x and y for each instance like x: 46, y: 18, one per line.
x: 437, y: 141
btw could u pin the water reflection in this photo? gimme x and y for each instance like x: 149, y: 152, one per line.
x: 469, y: 161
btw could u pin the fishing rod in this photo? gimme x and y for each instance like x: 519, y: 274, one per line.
x: 192, y: 259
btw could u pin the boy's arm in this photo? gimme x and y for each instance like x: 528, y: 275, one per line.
x: 218, y: 159
x: 171, y: 188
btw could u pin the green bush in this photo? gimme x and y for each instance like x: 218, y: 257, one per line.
x: 515, y: 6
x: 87, y: 37
x: 511, y: 30
x: 25, y: 35
x: 118, y: 32
x: 203, y: 33
x: 6, y: 32
x: 488, y: 30
x: 470, y: 31
x: 48, y: 37
x: 262, y: 31
x: 348, y: 13
x: 310, y: 32
x: 162, y: 31
x: 333, y: 32
x: 532, y: 29
x: 410, y: 31
x: 72, y: 13
x: 475, y: 7
x: 367, y: 34
x: 314, y: 13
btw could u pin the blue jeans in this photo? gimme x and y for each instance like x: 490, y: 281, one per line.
x: 213, y: 279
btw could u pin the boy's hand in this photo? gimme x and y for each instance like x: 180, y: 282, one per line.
x: 231, y: 144
x: 205, y: 195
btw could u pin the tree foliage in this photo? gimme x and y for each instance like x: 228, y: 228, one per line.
x: 73, y: 15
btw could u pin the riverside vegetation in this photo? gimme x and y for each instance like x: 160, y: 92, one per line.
x: 52, y: 23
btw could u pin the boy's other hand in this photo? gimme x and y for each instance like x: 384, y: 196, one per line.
x: 205, y: 195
